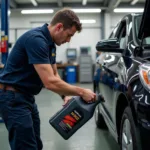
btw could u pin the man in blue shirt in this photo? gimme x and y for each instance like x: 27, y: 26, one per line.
x: 30, y: 66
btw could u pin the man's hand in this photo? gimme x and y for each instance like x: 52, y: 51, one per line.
x: 67, y: 99
x: 88, y: 95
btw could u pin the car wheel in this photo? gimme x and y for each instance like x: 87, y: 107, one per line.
x: 128, y: 132
x: 99, y: 120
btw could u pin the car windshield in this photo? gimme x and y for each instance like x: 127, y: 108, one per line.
x: 137, y: 26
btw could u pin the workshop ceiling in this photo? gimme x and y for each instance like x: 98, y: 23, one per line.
x: 103, y: 4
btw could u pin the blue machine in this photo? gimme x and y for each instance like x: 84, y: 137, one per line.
x: 71, y: 74
x: 71, y: 54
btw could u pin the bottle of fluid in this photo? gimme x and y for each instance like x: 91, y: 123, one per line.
x: 73, y: 116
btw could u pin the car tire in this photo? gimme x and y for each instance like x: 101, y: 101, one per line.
x: 99, y: 120
x: 128, y: 132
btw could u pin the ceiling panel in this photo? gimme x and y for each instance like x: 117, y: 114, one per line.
x: 126, y: 1
x: 69, y: 1
x: 52, y: 1
x: 47, y: 1
x: 95, y: 1
x: 139, y: 1
x: 22, y: 1
x: 105, y: 4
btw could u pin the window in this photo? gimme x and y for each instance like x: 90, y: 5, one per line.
x: 138, y: 20
x: 122, y: 34
x: 113, y: 34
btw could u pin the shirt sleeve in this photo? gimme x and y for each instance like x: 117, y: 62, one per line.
x: 37, y: 50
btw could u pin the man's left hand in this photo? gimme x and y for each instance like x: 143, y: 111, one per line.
x: 67, y: 99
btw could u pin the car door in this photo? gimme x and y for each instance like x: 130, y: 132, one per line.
x: 112, y: 73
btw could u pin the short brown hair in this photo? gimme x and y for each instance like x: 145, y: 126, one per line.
x: 68, y: 18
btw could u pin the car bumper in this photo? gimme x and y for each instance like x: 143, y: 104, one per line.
x: 144, y: 126
x: 144, y: 136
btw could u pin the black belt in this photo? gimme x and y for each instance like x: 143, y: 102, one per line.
x: 8, y: 88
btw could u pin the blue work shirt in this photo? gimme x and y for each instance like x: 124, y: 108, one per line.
x: 33, y: 47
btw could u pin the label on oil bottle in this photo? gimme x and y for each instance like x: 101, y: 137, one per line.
x: 70, y: 120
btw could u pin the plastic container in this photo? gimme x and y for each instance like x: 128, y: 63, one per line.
x: 71, y: 74
x: 73, y: 115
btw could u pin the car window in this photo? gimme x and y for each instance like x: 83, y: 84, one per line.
x: 122, y: 35
x: 138, y: 20
x: 113, y: 33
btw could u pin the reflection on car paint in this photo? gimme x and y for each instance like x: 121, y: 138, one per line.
x: 139, y: 96
x: 146, y: 100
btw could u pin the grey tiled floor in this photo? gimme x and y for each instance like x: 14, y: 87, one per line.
x: 86, y: 138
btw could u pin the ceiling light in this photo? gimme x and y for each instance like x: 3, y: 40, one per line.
x: 84, y: 2
x: 37, y: 11
x: 34, y: 2
x: 127, y: 10
x: 88, y: 21
x: 134, y: 2
x: 9, y: 12
x: 87, y: 10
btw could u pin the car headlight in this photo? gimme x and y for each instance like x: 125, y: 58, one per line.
x: 144, y: 73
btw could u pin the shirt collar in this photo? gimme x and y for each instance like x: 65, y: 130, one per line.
x: 47, y: 34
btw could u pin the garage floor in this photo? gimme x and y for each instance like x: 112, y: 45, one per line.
x: 86, y: 138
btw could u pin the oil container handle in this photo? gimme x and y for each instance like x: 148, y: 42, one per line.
x: 99, y: 98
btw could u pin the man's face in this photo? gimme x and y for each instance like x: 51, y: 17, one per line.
x: 63, y: 35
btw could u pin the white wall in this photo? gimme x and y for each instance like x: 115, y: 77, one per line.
x: 89, y: 36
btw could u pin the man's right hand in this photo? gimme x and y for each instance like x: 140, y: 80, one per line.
x: 88, y: 95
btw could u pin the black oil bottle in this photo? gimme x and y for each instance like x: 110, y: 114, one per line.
x: 73, y: 115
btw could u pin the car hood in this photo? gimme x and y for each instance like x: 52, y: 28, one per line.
x: 145, y: 23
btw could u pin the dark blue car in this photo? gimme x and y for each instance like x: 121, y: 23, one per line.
x: 123, y: 78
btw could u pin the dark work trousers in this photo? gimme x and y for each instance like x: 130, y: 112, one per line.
x: 21, y: 117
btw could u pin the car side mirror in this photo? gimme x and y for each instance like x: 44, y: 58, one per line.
x: 110, y: 45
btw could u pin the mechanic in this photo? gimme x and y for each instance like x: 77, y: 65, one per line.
x: 30, y: 66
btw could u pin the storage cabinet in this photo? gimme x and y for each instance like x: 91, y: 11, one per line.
x: 85, y: 69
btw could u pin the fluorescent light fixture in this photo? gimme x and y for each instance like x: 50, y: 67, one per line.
x: 37, y: 11
x: 128, y: 10
x: 84, y: 2
x: 88, y: 21
x: 34, y: 2
x: 134, y: 2
x: 87, y: 10
x: 9, y: 12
